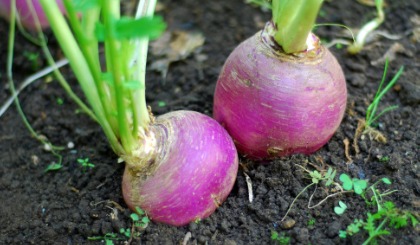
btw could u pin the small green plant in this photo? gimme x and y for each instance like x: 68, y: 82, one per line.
x: 280, y: 238
x: 60, y: 101
x: 384, y: 159
x: 386, y: 218
x: 371, y: 116
x: 140, y: 218
x: 341, y: 208
x: 311, y: 222
x: 109, y: 238
x: 377, y: 195
x: 53, y: 167
x: 126, y: 232
x: 355, y: 184
x: 161, y: 103
x: 33, y: 58
x: 140, y: 221
x: 319, y: 177
x: 381, y: 223
x: 85, y: 164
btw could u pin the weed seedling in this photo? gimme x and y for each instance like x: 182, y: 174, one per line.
x: 140, y: 218
x: 377, y: 197
x: 281, y: 238
x: 60, y: 101
x: 384, y: 159
x: 311, y: 222
x: 85, y: 164
x: 365, y: 126
x: 319, y: 177
x: 386, y: 218
x: 53, y: 166
x: 140, y: 221
x: 380, y: 223
x: 355, y: 184
x: 341, y: 208
x: 109, y: 238
x: 33, y: 58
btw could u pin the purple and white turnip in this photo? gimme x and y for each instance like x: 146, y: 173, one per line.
x: 281, y: 92
x: 179, y: 166
x: 190, y: 172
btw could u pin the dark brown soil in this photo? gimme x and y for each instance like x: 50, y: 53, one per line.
x: 70, y: 205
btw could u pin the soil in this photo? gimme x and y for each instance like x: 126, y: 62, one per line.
x: 72, y: 204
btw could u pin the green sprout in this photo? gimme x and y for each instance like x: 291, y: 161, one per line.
x: 33, y: 58
x: 365, y: 126
x: 60, y: 101
x: 126, y: 232
x: 384, y: 159
x: 53, y: 167
x: 140, y: 218
x: 380, y: 223
x: 161, y: 103
x: 355, y: 184
x: 85, y: 164
x: 341, y: 208
x: 317, y: 177
x: 371, y: 110
x: 377, y: 197
x: 280, y: 238
x: 109, y: 238
x: 311, y: 222
x: 387, y: 216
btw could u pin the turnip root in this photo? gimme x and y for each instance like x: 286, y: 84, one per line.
x: 276, y: 104
x: 191, y: 169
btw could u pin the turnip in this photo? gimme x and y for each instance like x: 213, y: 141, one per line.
x: 179, y: 166
x: 29, y: 12
x: 280, y: 92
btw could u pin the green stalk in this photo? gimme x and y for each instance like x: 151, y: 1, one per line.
x: 80, y: 67
x: 375, y: 234
x: 294, y: 20
x: 85, y: 35
x: 369, y: 27
x: 111, y: 13
x: 141, y: 113
x: 9, y: 74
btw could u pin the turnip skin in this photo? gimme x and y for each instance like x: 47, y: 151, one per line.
x: 23, y: 10
x: 191, y: 174
x: 273, y: 104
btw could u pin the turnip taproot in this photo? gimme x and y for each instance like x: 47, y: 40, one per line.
x: 280, y: 92
x: 180, y: 166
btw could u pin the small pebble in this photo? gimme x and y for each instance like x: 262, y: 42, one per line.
x: 288, y: 223
x: 70, y: 145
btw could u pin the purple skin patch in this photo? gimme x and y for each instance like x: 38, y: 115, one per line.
x: 194, y: 174
x: 273, y: 105
x: 27, y: 17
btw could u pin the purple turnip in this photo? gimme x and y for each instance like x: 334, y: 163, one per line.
x: 180, y: 166
x: 281, y: 96
x: 29, y: 12
x: 190, y: 172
